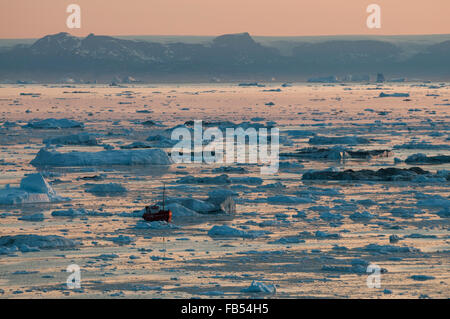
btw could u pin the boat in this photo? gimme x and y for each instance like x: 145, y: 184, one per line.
x: 155, y: 213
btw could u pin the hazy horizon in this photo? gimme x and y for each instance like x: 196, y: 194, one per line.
x: 29, y: 19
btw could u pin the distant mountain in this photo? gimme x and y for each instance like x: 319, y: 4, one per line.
x: 228, y: 57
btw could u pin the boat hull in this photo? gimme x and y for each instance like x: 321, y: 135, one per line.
x: 162, y: 215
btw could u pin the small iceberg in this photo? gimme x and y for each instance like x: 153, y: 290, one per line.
x: 33, y: 189
x: 382, y: 94
x: 259, y: 287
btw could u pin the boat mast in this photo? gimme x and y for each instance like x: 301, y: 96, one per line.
x: 164, y: 195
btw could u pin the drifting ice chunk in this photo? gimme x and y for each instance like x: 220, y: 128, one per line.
x: 37, y: 241
x: 72, y: 213
x: 327, y: 140
x: 382, y: 94
x: 383, y: 174
x: 364, y: 215
x: 423, y: 159
x: 54, y: 124
x: 325, y: 235
x: 221, y: 179
x: 388, y: 249
x: 159, y: 225
x: 259, y: 287
x: 38, y: 217
x: 109, y: 157
x: 291, y: 200
x: 107, y: 189
x: 76, y: 139
x: 422, y: 146
x: 122, y: 240
x: 227, y: 231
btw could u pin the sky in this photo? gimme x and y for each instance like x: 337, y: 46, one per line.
x: 37, y: 18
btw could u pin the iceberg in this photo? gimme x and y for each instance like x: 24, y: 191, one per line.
x: 35, y: 242
x: 383, y: 174
x: 421, y: 158
x: 38, y: 217
x: 106, y: 189
x: 75, y: 139
x: 54, y: 124
x: 227, y: 231
x: 33, y: 189
x: 259, y: 287
x: 109, y: 157
x: 382, y: 94
x: 329, y: 140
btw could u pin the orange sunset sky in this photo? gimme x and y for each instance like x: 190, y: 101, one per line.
x: 36, y: 18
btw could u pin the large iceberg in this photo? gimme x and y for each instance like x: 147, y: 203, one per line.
x: 47, y: 157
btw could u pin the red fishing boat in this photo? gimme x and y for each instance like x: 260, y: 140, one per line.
x: 155, y: 213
